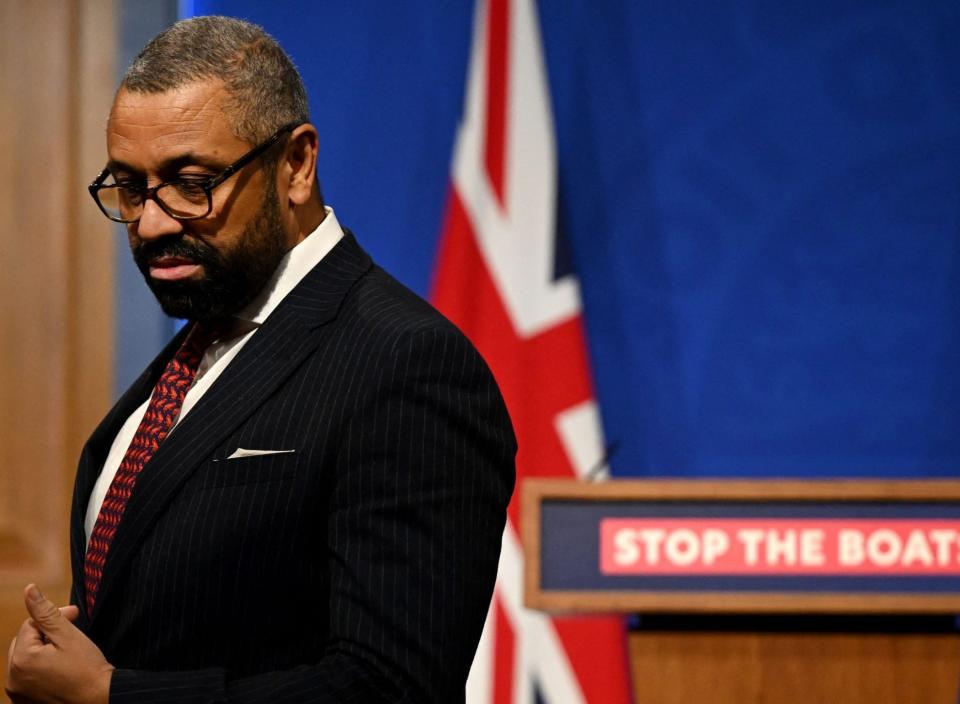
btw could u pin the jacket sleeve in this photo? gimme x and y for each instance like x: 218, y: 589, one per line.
x: 415, y: 518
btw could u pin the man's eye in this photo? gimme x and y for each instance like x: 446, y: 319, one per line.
x: 189, y: 187
x: 130, y: 194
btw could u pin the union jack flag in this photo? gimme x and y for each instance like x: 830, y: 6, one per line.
x: 500, y: 278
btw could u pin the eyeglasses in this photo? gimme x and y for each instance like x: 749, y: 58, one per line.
x: 182, y: 199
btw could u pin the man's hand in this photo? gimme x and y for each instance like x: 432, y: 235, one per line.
x: 50, y: 660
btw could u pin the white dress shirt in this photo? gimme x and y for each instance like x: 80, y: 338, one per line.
x: 292, y: 268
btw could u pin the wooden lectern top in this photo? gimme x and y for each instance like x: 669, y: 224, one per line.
x: 741, y: 546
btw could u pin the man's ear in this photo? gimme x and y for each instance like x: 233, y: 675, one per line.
x: 300, y: 167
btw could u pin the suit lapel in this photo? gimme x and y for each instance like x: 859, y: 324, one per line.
x: 268, y: 358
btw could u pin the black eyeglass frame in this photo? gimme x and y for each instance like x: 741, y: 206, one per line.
x: 207, y: 186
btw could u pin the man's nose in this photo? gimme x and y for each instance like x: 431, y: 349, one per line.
x: 155, y: 222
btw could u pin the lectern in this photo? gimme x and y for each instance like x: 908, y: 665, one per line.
x: 769, y: 592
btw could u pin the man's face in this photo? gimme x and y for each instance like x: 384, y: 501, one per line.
x: 207, y: 268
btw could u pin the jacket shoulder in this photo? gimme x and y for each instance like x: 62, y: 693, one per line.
x: 380, y: 302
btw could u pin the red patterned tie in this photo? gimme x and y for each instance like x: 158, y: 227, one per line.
x: 163, y: 410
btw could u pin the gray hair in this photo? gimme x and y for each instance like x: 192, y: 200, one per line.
x: 264, y: 88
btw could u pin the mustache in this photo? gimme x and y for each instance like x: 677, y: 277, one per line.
x: 196, y: 252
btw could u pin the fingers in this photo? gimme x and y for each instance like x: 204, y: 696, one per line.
x: 29, y: 634
x: 46, y: 616
x: 70, y: 612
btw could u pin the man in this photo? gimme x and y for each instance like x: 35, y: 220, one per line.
x: 302, y: 497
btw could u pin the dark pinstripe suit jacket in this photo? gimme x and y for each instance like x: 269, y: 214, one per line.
x: 357, y: 568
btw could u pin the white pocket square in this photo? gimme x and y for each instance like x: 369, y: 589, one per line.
x: 241, y: 452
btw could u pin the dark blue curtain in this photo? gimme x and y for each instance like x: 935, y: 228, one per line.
x: 762, y: 201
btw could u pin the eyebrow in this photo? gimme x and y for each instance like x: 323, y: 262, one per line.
x: 171, y: 165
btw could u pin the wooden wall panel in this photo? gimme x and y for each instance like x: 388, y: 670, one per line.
x: 795, y: 668
x: 56, y: 256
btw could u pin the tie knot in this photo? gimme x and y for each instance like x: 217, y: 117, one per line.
x: 200, y: 337
x: 206, y: 333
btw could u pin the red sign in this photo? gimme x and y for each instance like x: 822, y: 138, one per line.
x: 744, y: 546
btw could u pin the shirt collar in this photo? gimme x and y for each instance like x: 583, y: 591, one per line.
x: 294, y: 265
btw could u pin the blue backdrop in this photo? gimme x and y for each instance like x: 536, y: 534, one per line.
x: 762, y: 198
